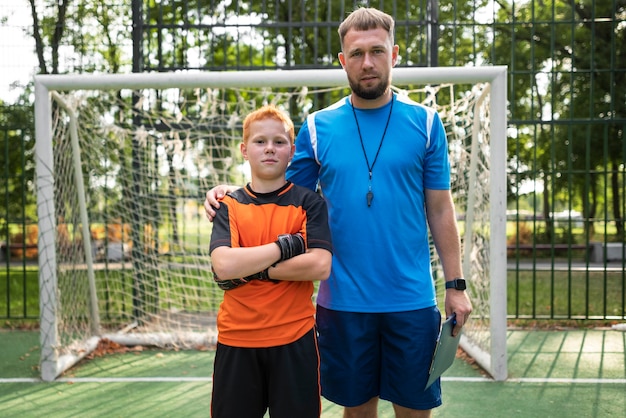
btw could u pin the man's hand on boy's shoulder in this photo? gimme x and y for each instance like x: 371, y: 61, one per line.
x: 212, y: 198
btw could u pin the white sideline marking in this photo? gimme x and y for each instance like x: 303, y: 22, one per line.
x: 537, y: 380
x: 566, y: 380
x: 210, y: 379
x: 134, y: 379
x: 578, y: 380
x: 108, y: 379
x: 20, y: 380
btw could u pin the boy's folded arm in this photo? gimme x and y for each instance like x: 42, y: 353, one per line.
x: 313, y: 265
x: 232, y: 263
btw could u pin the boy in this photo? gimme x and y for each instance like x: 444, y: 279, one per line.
x: 270, y: 241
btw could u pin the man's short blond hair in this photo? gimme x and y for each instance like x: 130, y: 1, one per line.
x: 366, y: 18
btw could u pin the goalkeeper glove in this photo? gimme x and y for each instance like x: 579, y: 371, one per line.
x: 262, y: 276
x: 235, y: 283
x: 229, y: 284
x: 290, y: 245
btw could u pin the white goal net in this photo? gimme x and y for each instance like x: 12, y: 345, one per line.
x: 124, y: 161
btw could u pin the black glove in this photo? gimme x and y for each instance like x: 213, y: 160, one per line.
x: 290, y: 245
x: 229, y: 284
x: 235, y: 283
x: 262, y: 276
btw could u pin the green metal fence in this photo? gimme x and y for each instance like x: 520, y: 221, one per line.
x: 567, y: 116
x: 18, y: 225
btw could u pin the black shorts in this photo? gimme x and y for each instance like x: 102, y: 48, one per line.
x: 285, y: 379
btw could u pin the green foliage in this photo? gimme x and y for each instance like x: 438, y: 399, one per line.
x: 97, y: 34
x: 463, y: 40
x: 18, y: 166
x: 197, y: 34
x: 562, y: 60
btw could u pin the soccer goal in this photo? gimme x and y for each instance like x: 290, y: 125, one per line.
x: 124, y: 161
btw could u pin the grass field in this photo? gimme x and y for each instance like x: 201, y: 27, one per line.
x: 566, y: 294
x: 553, y: 374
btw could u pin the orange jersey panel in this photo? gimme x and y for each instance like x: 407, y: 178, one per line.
x: 267, y: 314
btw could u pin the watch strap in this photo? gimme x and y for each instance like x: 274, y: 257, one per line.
x: 458, y: 284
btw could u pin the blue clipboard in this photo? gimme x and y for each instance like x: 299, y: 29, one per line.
x: 445, y: 351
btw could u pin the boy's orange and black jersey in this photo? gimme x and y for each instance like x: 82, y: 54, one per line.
x: 261, y: 313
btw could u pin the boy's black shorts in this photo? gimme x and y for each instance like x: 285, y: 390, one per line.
x: 285, y: 379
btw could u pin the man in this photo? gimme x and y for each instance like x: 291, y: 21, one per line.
x: 381, y: 162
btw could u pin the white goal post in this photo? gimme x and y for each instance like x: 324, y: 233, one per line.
x: 94, y: 275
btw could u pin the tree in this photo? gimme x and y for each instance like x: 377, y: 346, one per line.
x: 575, y: 49
x: 16, y: 158
x: 93, y: 36
x: 561, y: 59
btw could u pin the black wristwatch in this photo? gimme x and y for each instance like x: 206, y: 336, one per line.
x: 458, y: 284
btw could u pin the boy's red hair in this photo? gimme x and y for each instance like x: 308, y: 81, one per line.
x: 268, y: 112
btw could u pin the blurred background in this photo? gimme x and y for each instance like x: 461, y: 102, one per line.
x: 566, y: 165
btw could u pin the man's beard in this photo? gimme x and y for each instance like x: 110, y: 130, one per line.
x: 370, y: 93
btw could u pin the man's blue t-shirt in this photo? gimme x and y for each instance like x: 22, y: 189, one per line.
x: 381, y: 257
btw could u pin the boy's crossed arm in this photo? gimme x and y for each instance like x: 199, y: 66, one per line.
x: 290, y: 245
